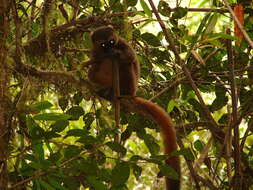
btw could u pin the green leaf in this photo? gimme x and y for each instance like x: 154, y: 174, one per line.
x: 55, y: 157
x: 35, y: 165
x: 218, y: 103
x: 38, y: 150
x: 211, y: 24
x: 46, y: 185
x: 220, y: 100
x: 197, y: 107
x: 136, y: 158
x: 168, y: 171
x: 63, y: 103
x: 71, y: 151
x: 78, y: 98
x: 41, y: 106
x: 150, y: 141
x: 51, y: 116
x: 151, y: 39
x: 146, y: 8
x: 224, y: 119
x: 185, y: 152
x: 164, y: 8
x: 125, y: 135
x: 171, y: 105
x: 96, y: 184
x: 120, y: 173
x: 198, y: 33
x: 35, y: 130
x: 56, y: 184
x: 90, y: 167
x: 75, y: 133
x: 215, y: 36
x: 76, y: 112
x: 100, y: 158
x: 105, y: 174
x: 199, y: 145
x: 180, y: 12
x: 23, y: 9
x: 29, y: 157
x: 59, y: 125
x: 87, y: 140
x: 88, y: 119
x: 51, y: 135
x: 117, y: 147
x: 131, y: 3
x: 137, y: 170
x: 158, y: 158
x: 71, y: 183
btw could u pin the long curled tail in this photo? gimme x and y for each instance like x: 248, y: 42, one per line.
x: 168, y: 134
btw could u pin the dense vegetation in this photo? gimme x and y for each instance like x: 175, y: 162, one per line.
x: 55, y: 133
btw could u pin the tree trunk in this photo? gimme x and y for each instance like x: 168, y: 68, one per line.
x: 4, y: 81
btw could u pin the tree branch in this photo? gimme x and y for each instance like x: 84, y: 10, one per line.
x: 53, y: 77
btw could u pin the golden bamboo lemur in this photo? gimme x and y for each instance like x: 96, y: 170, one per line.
x: 108, y: 47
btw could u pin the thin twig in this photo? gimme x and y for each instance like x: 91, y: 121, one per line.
x: 237, y: 154
x: 205, y: 10
x: 211, y: 54
x: 193, y: 126
x: 228, y: 145
x: 203, y: 155
x: 171, y: 85
x: 190, y: 167
x: 246, y: 134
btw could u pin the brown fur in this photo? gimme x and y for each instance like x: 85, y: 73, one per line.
x: 101, y: 74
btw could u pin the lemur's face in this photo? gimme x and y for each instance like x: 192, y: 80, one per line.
x: 104, y: 38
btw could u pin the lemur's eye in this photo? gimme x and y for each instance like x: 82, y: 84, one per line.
x: 103, y: 45
x: 112, y: 41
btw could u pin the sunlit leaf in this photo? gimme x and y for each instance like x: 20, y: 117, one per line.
x: 171, y: 106
x: 146, y: 8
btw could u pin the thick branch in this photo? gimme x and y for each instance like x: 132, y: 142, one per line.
x: 53, y: 77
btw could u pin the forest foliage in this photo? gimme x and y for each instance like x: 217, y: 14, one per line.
x: 56, y: 133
